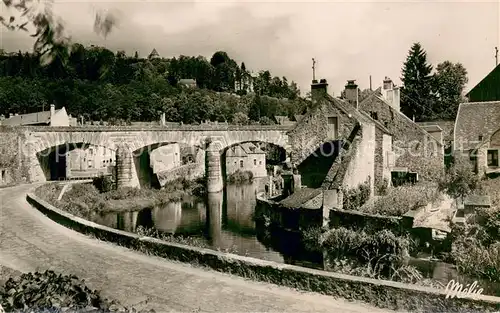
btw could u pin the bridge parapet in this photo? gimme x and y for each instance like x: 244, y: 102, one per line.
x: 154, y: 128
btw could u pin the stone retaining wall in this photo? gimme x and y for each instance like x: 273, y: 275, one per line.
x: 381, y: 293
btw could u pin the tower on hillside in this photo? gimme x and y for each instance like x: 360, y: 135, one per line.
x: 154, y: 54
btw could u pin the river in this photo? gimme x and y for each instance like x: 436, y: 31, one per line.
x: 224, y: 221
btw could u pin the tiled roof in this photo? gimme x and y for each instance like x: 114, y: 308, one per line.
x: 377, y: 96
x: 475, y: 119
x: 446, y: 126
x: 495, y: 70
x: 297, y: 199
x: 29, y: 119
x: 235, y: 151
x: 250, y: 148
x: 431, y: 128
x: 476, y: 200
x: 361, y: 116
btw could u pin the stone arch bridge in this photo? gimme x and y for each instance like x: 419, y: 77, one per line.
x: 127, y: 141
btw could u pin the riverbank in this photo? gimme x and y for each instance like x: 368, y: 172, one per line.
x: 376, y: 292
x: 84, y: 200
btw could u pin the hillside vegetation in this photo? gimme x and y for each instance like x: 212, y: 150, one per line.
x: 100, y: 85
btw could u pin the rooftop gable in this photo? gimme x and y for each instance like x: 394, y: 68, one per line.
x: 475, y: 122
x: 377, y: 96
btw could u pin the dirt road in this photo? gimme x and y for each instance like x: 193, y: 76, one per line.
x: 30, y: 241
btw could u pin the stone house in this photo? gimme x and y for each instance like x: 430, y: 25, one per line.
x: 165, y: 158
x: 89, y: 161
x: 45, y: 118
x: 417, y: 151
x: 338, y: 147
x: 246, y: 157
x: 477, y: 135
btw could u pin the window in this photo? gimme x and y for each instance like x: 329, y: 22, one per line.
x: 260, y: 162
x: 480, y: 138
x: 332, y: 127
x: 254, y: 161
x: 241, y: 163
x: 374, y: 115
x: 492, y: 158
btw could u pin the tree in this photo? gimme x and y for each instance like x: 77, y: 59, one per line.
x: 416, y: 96
x: 240, y: 118
x: 51, y: 43
x: 460, y: 179
x: 448, y: 83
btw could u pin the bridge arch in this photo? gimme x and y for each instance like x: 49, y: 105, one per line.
x: 69, y: 160
x: 155, y: 166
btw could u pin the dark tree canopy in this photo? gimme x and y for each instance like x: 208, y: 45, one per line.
x: 416, y: 98
x: 98, y: 84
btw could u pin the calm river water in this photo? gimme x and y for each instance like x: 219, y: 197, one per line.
x: 224, y: 221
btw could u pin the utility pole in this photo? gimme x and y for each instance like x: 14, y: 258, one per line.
x: 314, y: 68
x: 496, y: 56
x: 371, y: 83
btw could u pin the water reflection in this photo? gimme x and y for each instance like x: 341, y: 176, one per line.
x: 224, y: 220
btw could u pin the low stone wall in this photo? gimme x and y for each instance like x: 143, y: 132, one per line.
x: 381, y: 293
x: 358, y: 220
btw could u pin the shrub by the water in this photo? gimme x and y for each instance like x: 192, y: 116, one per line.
x: 84, y: 200
x: 51, y: 292
x: 240, y: 177
x: 376, y: 255
x: 103, y: 183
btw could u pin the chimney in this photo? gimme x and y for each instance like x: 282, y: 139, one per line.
x: 388, y: 84
x: 391, y: 94
x: 52, y: 110
x: 162, y: 119
x: 351, y: 93
x: 318, y: 90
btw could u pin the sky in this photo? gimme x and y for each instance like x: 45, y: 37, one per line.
x: 349, y: 39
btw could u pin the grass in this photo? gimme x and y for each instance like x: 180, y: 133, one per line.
x: 83, y: 200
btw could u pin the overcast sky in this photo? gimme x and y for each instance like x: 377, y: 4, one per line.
x: 349, y: 39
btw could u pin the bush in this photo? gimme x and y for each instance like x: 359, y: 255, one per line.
x: 402, y: 199
x: 382, y: 187
x: 355, y: 198
x: 51, y: 292
x: 379, y: 253
x: 460, y: 179
x: 103, y: 183
x: 240, y: 177
x: 477, y: 260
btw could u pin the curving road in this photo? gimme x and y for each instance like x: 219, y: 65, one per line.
x: 30, y: 241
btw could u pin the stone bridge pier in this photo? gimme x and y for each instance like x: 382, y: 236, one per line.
x: 213, y: 167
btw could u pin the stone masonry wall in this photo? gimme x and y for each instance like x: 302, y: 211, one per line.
x: 312, y: 130
x: 11, y: 157
x: 414, y: 147
x: 361, y: 167
x: 379, y: 157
